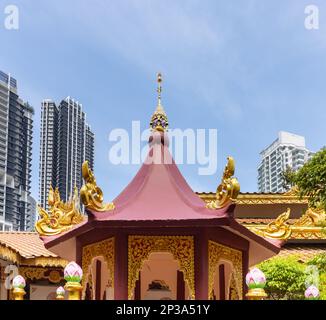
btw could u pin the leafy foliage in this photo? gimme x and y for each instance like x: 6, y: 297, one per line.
x: 285, y: 278
x: 288, y: 177
x: 311, y: 179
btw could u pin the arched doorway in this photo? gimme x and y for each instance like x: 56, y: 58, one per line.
x: 177, y: 252
x: 98, y: 270
x: 224, y: 272
x: 160, y: 278
x: 222, y: 280
x: 98, y: 285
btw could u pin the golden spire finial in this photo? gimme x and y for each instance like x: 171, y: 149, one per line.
x: 159, y: 121
x: 159, y: 88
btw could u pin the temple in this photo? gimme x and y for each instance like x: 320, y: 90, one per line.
x: 160, y: 240
x: 158, y: 233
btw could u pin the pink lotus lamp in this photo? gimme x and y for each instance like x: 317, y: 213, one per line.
x: 18, y: 285
x: 256, y: 281
x: 60, y: 293
x: 312, y: 293
x: 73, y: 275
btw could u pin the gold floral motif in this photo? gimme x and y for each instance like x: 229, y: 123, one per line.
x: 103, y: 249
x: 91, y: 194
x: 233, y: 292
x: 229, y: 188
x: 181, y: 247
x: 218, y: 252
x: 61, y: 216
x: 39, y: 273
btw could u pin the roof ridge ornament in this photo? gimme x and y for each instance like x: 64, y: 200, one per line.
x: 277, y: 229
x: 229, y: 188
x: 159, y: 120
x: 91, y: 194
x: 61, y: 216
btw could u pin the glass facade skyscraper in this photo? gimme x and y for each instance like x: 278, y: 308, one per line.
x: 66, y: 142
x: 16, y: 131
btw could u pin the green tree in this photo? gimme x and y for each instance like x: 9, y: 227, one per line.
x: 288, y: 178
x: 311, y: 179
x: 285, y: 278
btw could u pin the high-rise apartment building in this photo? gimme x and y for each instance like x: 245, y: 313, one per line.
x: 66, y: 142
x: 31, y: 214
x: 289, y: 150
x: 16, y: 131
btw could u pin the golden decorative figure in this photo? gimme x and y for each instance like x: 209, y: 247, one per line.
x: 159, y: 120
x: 103, y: 249
x: 313, y: 217
x: 61, y: 216
x: 218, y: 252
x: 278, y: 229
x: 181, y: 247
x: 91, y: 194
x: 229, y: 188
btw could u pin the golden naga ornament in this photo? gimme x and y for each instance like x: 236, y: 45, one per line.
x: 91, y: 194
x: 61, y: 216
x: 229, y: 188
x: 309, y: 226
x: 278, y: 229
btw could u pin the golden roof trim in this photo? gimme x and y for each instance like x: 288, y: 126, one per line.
x: 259, y: 198
x: 307, y: 227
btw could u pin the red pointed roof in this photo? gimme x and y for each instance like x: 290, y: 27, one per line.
x: 159, y: 191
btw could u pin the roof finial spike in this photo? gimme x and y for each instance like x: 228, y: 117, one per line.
x: 159, y: 121
x: 159, y: 88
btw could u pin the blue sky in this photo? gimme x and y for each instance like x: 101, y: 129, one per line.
x: 247, y: 68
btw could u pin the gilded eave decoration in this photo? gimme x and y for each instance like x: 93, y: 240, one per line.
x: 217, y: 254
x: 32, y: 273
x: 181, y: 247
x: 229, y: 188
x: 309, y: 226
x: 91, y: 194
x: 61, y: 216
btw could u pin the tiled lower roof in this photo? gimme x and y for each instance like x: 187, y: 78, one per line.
x: 27, y: 244
x: 303, y: 252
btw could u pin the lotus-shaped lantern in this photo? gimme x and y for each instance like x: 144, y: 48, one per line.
x: 255, y: 279
x: 19, y: 282
x: 73, y: 272
x: 312, y: 293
